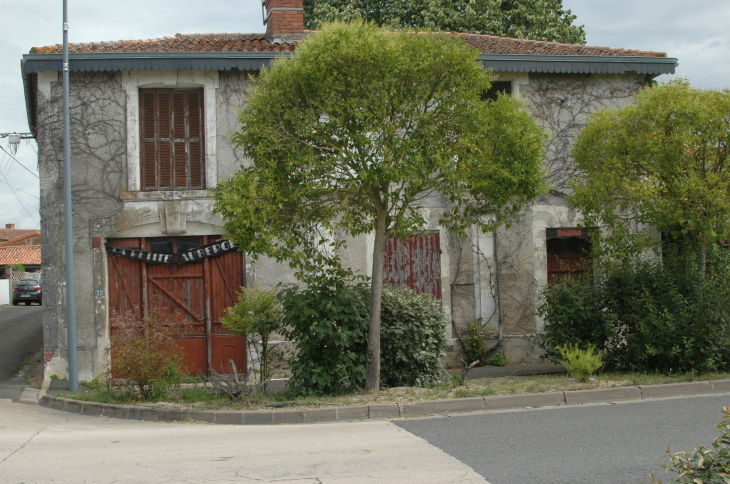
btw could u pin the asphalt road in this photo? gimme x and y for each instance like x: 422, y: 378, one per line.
x: 21, y: 335
x: 607, y: 443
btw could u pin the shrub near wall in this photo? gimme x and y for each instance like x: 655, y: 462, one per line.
x: 328, y: 323
x: 647, y: 314
x: 413, y: 339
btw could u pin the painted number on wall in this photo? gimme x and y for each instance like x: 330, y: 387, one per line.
x: 99, y: 293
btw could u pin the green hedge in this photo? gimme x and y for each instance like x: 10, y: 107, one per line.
x: 328, y: 322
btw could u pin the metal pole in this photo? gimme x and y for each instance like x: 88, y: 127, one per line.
x: 73, y: 369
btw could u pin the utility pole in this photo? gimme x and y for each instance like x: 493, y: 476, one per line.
x: 73, y: 368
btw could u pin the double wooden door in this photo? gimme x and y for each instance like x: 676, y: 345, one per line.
x: 200, y: 291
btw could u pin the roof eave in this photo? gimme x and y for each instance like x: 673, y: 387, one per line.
x: 579, y: 64
x: 203, y: 61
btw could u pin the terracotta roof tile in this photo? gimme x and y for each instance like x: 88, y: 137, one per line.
x: 12, y: 234
x: 178, y: 43
x: 16, y: 240
x: 490, y: 44
x: 29, y: 255
x: 487, y: 44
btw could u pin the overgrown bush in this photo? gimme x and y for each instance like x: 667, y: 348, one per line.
x: 144, y: 355
x: 580, y: 363
x: 474, y: 344
x: 647, y: 313
x: 703, y: 465
x: 412, y: 338
x: 328, y: 323
x: 257, y: 314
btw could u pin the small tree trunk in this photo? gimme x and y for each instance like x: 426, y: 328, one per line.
x: 701, y: 267
x: 372, y: 378
x: 701, y: 261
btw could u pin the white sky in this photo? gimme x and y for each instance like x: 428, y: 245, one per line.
x: 694, y: 32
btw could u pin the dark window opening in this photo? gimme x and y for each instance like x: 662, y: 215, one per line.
x: 172, y: 245
x: 572, y: 245
x: 504, y: 87
x: 187, y: 243
x: 568, y: 254
x: 172, y: 152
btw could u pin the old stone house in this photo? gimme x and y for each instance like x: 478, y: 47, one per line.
x: 151, y: 125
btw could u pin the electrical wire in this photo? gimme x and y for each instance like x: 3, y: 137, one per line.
x: 21, y: 203
x: 16, y: 160
x: 21, y: 191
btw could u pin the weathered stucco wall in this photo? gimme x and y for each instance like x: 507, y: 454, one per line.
x: 98, y: 158
x: 562, y: 104
x: 105, y: 171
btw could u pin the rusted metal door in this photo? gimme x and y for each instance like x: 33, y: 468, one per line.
x: 200, y: 291
x: 414, y: 261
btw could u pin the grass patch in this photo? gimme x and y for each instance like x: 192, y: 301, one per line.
x: 198, y: 397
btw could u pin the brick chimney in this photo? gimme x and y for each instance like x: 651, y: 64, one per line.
x: 9, y: 226
x: 284, y: 20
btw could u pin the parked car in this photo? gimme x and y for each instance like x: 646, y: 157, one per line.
x: 28, y: 291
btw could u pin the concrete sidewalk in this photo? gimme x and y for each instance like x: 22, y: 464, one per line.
x: 38, y: 445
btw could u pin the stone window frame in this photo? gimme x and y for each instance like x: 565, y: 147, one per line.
x: 133, y: 81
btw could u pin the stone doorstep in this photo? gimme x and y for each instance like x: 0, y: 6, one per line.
x: 379, y: 411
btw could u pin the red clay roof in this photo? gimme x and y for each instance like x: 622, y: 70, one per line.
x: 27, y: 255
x: 20, y: 239
x: 487, y: 44
x: 12, y: 234
x: 178, y: 43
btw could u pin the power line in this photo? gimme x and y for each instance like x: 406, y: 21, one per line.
x: 21, y: 191
x: 18, y: 198
x: 16, y: 160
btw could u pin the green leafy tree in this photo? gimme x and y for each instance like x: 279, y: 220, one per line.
x: 662, y: 161
x: 352, y: 136
x: 524, y: 19
x: 258, y: 315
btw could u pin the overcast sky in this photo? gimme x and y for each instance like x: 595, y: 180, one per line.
x: 694, y: 32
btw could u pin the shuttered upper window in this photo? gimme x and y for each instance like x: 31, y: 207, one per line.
x: 171, y: 135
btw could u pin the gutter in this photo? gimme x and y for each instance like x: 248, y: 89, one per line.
x: 202, y: 61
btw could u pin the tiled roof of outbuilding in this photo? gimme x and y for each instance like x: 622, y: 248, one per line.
x: 27, y: 255
x: 12, y: 234
x: 487, y: 44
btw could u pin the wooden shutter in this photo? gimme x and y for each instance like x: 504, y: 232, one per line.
x: 195, y: 137
x: 414, y: 261
x: 148, y: 128
x: 172, y: 151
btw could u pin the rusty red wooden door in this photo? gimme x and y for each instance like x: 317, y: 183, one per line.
x: 414, y: 261
x: 199, y: 292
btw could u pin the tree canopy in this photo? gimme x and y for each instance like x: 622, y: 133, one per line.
x: 662, y: 161
x: 358, y: 132
x: 524, y: 19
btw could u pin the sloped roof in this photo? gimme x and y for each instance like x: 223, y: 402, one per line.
x: 177, y: 43
x: 12, y: 234
x: 27, y: 255
x: 486, y: 44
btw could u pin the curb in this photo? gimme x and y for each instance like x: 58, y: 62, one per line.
x: 381, y: 411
